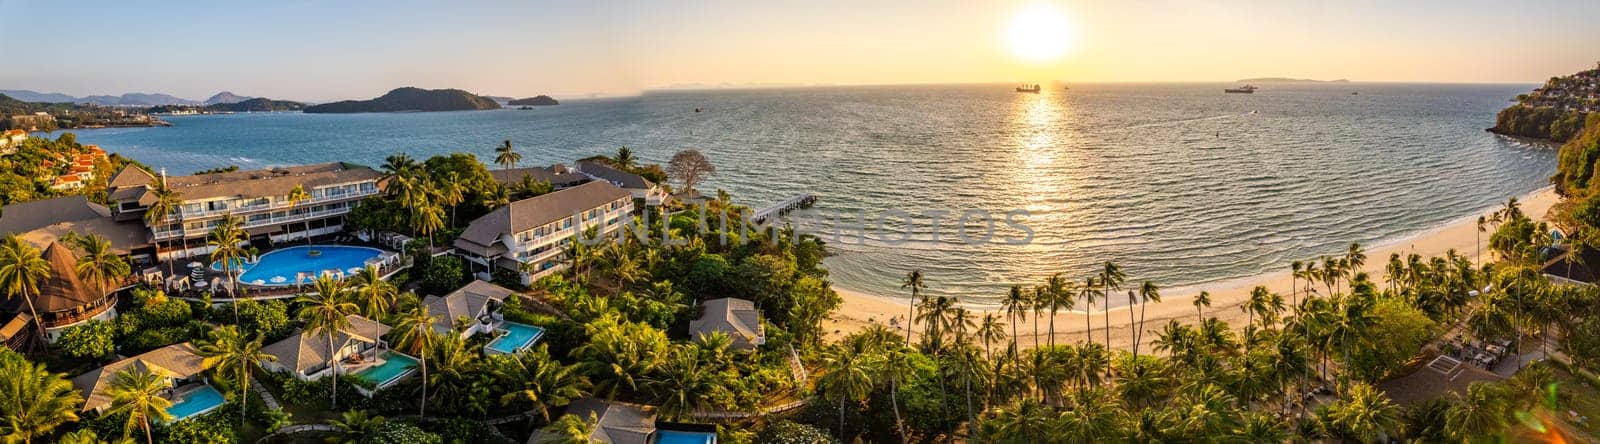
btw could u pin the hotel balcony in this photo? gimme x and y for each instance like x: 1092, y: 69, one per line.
x: 278, y: 205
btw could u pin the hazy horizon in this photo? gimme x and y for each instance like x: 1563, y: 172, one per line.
x: 317, y: 52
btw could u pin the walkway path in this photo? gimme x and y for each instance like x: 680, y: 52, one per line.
x: 266, y: 396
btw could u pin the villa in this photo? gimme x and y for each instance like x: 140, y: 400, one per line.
x: 359, y: 349
x: 557, y: 175
x: 641, y: 188
x: 475, y: 309
x: 738, y: 318
x: 63, y: 300
x: 179, y: 364
x: 614, y: 422
x: 11, y: 139
x: 41, y: 222
x: 530, y: 236
x: 259, y: 197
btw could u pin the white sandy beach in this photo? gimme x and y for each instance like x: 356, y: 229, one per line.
x: 861, y: 310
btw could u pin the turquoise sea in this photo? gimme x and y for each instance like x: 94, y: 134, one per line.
x: 1180, y: 182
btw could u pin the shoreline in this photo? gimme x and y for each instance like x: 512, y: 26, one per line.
x: 860, y: 310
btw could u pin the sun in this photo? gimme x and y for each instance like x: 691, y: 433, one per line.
x: 1039, y: 34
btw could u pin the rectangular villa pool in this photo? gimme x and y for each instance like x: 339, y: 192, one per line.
x: 516, y: 338
x: 394, y: 367
x: 681, y: 437
x: 196, y: 402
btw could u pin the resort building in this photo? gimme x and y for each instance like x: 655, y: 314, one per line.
x: 11, y: 139
x: 530, y: 236
x: 261, y: 198
x: 615, y: 422
x: 63, y: 300
x: 42, y: 222
x: 640, y: 187
x: 738, y: 318
x: 557, y: 175
x: 179, y: 364
x: 358, y: 349
x: 475, y: 309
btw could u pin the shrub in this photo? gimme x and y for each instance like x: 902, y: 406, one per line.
x: 443, y: 274
x: 268, y: 318
x: 789, y: 432
x: 93, y: 339
x: 398, y: 432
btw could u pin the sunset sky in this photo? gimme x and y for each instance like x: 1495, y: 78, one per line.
x: 313, y: 51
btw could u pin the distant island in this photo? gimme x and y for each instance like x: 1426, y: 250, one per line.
x: 1288, y: 80
x: 540, y: 100
x: 256, y: 105
x: 37, y: 116
x: 1556, y: 111
x: 226, y: 97
x: 409, y: 99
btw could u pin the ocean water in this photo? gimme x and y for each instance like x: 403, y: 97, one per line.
x: 1180, y: 183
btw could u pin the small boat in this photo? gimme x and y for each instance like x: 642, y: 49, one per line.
x: 1247, y: 89
x: 1353, y: 93
x: 1034, y: 88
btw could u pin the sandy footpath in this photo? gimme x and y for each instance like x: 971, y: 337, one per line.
x: 861, y: 310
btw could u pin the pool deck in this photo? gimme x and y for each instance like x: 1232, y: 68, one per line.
x: 375, y: 360
x: 504, y: 331
x: 181, y: 267
x: 183, y: 395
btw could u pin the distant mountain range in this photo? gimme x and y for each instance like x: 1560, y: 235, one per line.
x: 1288, y: 80
x: 256, y: 105
x: 410, y: 99
x: 129, y: 99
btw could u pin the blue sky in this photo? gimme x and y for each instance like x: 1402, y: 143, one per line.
x: 355, y: 49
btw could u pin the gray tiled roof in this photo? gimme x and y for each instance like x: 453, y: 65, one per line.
x: 470, y: 300
x: 736, y: 317
x: 275, y: 181
x: 557, y: 176
x: 522, y: 215
x: 304, y: 350
x: 43, y: 221
x: 174, y: 361
x: 620, y: 178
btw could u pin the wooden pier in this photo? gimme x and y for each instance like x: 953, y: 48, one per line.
x: 795, y: 202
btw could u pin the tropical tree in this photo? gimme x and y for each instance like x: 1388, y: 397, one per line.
x: 1201, y: 301
x: 689, y: 167
x: 913, y: 281
x: 97, y: 264
x: 684, y: 385
x: 848, y: 378
x: 1060, y: 296
x: 34, y: 401
x: 137, y: 393
x: 326, y: 313
x: 224, y: 241
x: 624, y: 158
x: 506, y: 156
x: 235, y: 358
x: 372, y: 294
x: 1148, y: 292
x: 297, y: 195
x: 1088, y: 292
x: 415, y: 335
x: 164, y: 204
x: 539, y: 379
x: 22, y: 269
x: 1365, y: 413
x: 356, y: 426
x: 1016, y: 306
x: 1111, y: 278
x: 1478, y: 414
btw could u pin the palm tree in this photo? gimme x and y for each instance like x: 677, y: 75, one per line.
x: 355, y: 425
x: 913, y: 281
x: 1016, y: 306
x: 22, y: 269
x: 624, y: 158
x: 683, y: 386
x: 991, y: 330
x: 1148, y: 292
x: 224, y: 241
x: 1060, y: 296
x: 1480, y: 413
x: 848, y: 378
x: 1483, y: 225
x: 1365, y: 413
x: 229, y: 352
x: 451, y: 193
x: 1089, y: 291
x: 415, y: 335
x: 35, y: 401
x: 165, y: 202
x: 373, y: 294
x: 506, y: 156
x: 1201, y: 301
x: 97, y: 264
x: 326, y: 313
x: 1111, y: 278
x: 541, y: 380
x: 495, y: 197
x: 137, y: 392
x: 296, y: 195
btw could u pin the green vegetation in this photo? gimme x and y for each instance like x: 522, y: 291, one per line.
x: 409, y: 99
x: 28, y: 173
x: 1538, y: 122
x: 540, y: 100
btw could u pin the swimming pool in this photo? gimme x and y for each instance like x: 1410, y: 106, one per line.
x: 394, y: 367
x: 516, y: 338
x: 281, y: 266
x: 201, y: 400
x: 680, y: 437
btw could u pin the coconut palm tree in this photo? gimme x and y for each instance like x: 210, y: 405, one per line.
x: 1016, y: 305
x: 991, y: 330
x: 229, y: 352
x: 913, y: 281
x: 451, y: 193
x: 224, y: 241
x: 164, y: 204
x: 326, y: 313
x: 895, y: 363
x: 97, y: 264
x: 1148, y: 292
x: 537, y: 378
x: 1088, y: 292
x: 355, y: 425
x: 137, y: 392
x: 624, y: 158
x: 1201, y: 301
x: 415, y: 335
x: 1480, y: 413
x: 35, y: 401
x: 684, y: 385
x: 848, y: 378
x: 1111, y: 278
x: 427, y: 219
x: 507, y: 156
x: 1059, y: 296
x: 22, y: 269
x: 1365, y: 413
x: 297, y: 195
x: 373, y: 294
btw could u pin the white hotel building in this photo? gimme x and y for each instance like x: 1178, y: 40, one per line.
x: 530, y: 236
